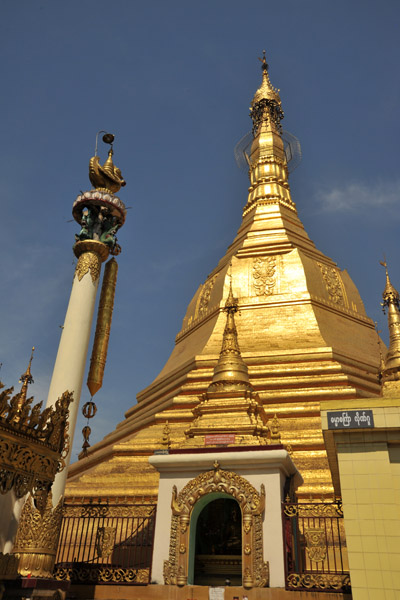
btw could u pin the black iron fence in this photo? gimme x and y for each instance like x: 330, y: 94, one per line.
x: 106, y: 542
x: 315, y: 547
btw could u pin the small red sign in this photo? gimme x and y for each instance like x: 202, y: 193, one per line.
x: 219, y: 439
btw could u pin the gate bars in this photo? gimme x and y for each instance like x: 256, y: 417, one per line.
x: 315, y: 547
x: 106, y: 542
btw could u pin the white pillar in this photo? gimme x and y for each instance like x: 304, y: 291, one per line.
x: 70, y: 363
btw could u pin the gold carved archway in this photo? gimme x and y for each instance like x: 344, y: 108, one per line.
x: 252, y: 503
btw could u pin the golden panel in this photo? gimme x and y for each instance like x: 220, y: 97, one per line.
x: 103, y: 327
x: 105, y: 538
x: 315, y: 543
x: 333, y: 284
x: 264, y: 275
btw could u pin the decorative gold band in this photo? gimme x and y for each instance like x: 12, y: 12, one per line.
x: 90, y: 254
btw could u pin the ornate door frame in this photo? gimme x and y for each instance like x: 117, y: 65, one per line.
x: 255, y: 572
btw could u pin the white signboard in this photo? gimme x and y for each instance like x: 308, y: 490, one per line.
x: 216, y: 593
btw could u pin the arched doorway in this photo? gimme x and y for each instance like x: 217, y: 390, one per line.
x: 188, y: 506
x: 218, y: 543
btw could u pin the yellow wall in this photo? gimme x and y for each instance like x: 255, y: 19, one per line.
x: 369, y: 471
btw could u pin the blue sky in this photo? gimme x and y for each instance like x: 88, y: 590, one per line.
x: 173, y: 81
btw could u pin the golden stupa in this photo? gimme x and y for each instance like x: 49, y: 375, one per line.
x: 302, y: 330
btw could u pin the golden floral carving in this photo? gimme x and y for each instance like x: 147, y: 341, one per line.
x: 264, y: 275
x: 333, y: 283
x: 218, y: 481
x: 323, y: 509
x: 204, y: 297
x: 316, y: 546
x: 260, y: 568
x: 252, y: 505
x: 182, y: 548
x: 88, y: 262
x: 101, y: 574
x: 37, y: 538
x: 108, y: 510
x: 321, y: 581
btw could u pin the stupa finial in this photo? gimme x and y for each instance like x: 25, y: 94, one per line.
x: 390, y: 294
x: 231, y: 368
x: 266, y: 102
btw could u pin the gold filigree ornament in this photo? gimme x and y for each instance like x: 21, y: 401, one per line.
x: 105, y: 540
x: 315, y: 540
x: 37, y: 538
x: 90, y: 255
x: 204, y: 297
x: 101, y: 574
x: 264, y: 275
x: 319, y: 581
x: 88, y: 262
x: 252, y: 504
x: 310, y: 509
x: 333, y: 284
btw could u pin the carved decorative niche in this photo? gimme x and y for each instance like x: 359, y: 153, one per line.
x: 255, y: 572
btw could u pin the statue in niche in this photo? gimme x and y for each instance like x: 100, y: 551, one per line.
x: 98, y: 223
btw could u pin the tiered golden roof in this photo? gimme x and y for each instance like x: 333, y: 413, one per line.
x: 303, y: 331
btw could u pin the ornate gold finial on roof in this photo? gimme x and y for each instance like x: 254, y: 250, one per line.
x: 230, y: 369
x: 26, y: 378
x: 266, y: 103
x: 108, y: 177
x: 390, y: 294
x: 391, y: 302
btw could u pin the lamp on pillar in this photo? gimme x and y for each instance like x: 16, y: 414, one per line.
x: 100, y: 214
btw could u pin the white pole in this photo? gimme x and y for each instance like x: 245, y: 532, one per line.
x: 70, y: 363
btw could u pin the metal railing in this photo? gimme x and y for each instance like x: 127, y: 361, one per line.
x: 106, y: 542
x: 315, y: 547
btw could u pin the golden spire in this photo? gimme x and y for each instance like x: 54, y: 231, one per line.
x: 26, y: 378
x: 391, y: 299
x: 268, y: 167
x: 230, y: 370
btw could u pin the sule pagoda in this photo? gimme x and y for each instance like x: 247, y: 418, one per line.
x: 232, y: 473
x: 302, y: 330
